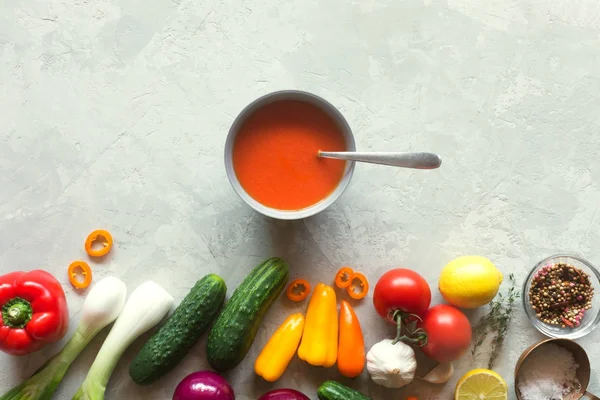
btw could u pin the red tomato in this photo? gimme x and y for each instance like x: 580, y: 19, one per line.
x: 401, y: 289
x: 448, y: 333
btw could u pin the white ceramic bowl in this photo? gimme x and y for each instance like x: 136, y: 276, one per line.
x: 322, y: 104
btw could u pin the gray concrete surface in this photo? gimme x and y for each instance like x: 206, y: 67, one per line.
x: 114, y: 115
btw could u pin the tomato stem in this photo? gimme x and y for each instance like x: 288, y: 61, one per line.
x: 408, y: 321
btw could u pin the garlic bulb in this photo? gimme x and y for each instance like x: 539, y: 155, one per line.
x: 391, y: 365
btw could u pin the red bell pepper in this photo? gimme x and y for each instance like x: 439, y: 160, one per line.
x: 33, y: 311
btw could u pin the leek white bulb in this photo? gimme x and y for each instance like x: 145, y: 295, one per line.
x: 104, y: 303
x: 391, y: 365
x: 146, y: 306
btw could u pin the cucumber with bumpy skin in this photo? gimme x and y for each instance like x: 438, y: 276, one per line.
x: 167, y: 347
x: 332, y: 390
x: 234, y: 331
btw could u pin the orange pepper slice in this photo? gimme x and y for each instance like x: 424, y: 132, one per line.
x: 99, y: 235
x: 359, y: 286
x: 80, y: 268
x: 298, y: 290
x: 343, y: 278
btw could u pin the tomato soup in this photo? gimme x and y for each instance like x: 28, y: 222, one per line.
x: 275, y: 155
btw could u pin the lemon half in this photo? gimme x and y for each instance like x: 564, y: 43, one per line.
x: 470, y: 281
x: 481, y: 384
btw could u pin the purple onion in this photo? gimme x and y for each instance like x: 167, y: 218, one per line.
x: 283, y: 394
x: 203, y: 385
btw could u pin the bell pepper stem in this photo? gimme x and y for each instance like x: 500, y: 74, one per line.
x: 16, y: 313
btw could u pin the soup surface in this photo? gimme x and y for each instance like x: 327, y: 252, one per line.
x: 275, y: 155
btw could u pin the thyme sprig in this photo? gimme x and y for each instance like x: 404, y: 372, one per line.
x: 496, y: 322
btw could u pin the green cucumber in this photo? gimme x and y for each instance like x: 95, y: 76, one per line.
x: 332, y: 390
x: 233, y: 333
x: 167, y: 347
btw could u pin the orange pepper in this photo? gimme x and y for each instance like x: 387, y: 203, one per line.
x: 298, y: 290
x: 99, y: 235
x: 412, y: 398
x: 83, y: 269
x: 343, y: 278
x: 351, y: 345
x: 359, y: 286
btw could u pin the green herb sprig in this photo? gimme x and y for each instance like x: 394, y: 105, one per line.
x: 496, y: 322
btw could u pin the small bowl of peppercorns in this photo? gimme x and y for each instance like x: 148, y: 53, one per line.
x: 558, y: 296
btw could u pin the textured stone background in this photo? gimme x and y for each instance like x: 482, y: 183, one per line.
x: 114, y: 115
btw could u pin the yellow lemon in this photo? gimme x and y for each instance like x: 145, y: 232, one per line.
x: 469, y: 281
x: 481, y: 384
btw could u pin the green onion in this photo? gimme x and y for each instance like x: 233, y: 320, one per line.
x: 146, y: 306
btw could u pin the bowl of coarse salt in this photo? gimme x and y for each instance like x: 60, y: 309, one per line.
x: 554, y: 369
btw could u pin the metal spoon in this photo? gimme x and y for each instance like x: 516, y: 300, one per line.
x: 405, y: 160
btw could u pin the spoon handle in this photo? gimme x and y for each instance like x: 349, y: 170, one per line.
x: 405, y: 160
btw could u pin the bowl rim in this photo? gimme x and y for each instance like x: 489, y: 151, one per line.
x: 281, y: 95
x: 560, y: 342
x: 576, y: 333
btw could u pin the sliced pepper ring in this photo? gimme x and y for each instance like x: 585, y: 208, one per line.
x: 80, y: 268
x: 359, y: 286
x: 343, y: 278
x: 102, y: 236
x: 298, y: 290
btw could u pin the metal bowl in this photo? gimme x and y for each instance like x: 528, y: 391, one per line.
x: 581, y: 358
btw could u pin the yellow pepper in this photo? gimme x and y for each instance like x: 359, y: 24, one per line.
x: 280, y: 349
x: 319, y: 344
